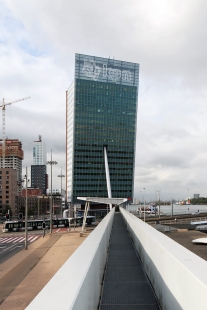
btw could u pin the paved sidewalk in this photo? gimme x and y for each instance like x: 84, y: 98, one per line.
x: 185, y: 238
x: 62, y: 247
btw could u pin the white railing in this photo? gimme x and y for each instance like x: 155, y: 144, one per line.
x: 178, y: 276
x: 77, y: 284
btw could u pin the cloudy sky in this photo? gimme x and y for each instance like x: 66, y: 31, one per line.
x: 168, y: 38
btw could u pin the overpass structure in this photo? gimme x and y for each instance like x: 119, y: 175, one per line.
x: 126, y: 264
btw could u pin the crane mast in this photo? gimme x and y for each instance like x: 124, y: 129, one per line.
x: 3, y: 106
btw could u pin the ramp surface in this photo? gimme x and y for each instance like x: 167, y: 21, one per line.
x: 126, y: 286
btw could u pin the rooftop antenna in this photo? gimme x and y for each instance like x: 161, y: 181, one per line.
x: 40, y: 138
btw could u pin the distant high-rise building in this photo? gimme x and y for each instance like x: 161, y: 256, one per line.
x: 196, y: 195
x: 101, y: 120
x: 39, y: 152
x: 39, y: 177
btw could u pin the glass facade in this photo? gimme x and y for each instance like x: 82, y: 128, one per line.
x: 39, y: 153
x: 101, y: 111
x: 39, y: 168
x: 39, y: 177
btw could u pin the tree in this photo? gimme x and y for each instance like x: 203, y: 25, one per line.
x: 199, y: 201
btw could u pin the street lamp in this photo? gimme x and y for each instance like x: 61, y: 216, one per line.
x: 140, y: 197
x: 140, y: 203
x: 51, y: 163
x: 26, y: 210
x: 61, y: 176
x: 144, y: 203
x: 159, y: 201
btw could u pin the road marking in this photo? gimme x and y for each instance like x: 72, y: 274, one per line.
x: 18, y: 239
x: 30, y: 237
x: 7, y: 248
x: 12, y: 239
x: 15, y: 239
x: 6, y: 240
x: 21, y: 239
x: 34, y: 239
x: 17, y: 246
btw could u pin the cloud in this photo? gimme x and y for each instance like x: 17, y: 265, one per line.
x: 168, y: 38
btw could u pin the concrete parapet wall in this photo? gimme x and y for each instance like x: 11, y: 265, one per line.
x: 77, y: 284
x: 179, y: 277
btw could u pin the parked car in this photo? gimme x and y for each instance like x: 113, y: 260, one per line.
x: 196, y: 213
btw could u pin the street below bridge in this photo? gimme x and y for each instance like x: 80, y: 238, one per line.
x: 27, y: 272
x: 13, y: 242
x: 10, y: 245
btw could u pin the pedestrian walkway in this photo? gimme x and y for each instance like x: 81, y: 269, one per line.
x: 46, y: 255
x: 126, y: 286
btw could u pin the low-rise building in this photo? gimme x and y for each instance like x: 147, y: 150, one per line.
x: 38, y: 206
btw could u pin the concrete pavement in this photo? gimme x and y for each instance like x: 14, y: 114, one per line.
x: 24, y: 275
x: 185, y: 239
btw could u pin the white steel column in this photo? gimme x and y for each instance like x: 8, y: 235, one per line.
x: 108, y: 182
x: 87, y: 207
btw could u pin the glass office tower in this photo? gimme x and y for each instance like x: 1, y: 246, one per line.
x: 39, y: 152
x: 101, y: 112
x: 39, y: 177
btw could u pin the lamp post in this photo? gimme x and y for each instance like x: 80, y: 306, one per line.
x: 38, y: 206
x: 159, y: 201
x: 188, y: 195
x: 144, y: 203
x: 140, y: 197
x: 172, y: 207
x: 51, y: 163
x: 26, y: 210
x: 140, y: 208
x: 61, y: 176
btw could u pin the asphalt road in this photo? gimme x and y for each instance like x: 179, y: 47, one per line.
x: 7, y: 251
x: 13, y: 242
x: 10, y: 244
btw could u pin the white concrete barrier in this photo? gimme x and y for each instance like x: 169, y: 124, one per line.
x: 77, y: 284
x: 179, y: 277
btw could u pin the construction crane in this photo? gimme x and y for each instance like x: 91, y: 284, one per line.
x: 3, y: 106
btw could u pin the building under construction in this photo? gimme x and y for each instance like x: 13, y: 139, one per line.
x: 13, y: 156
x: 11, y: 173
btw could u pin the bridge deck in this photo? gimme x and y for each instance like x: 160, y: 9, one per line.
x: 126, y: 285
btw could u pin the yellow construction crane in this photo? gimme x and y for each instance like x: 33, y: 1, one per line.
x: 3, y: 106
